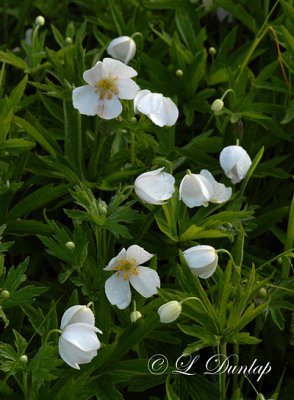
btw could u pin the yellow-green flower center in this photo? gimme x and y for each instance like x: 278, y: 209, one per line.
x: 127, y: 267
x: 106, y: 88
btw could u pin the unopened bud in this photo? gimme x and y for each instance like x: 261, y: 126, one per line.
x: 212, y: 51
x: 133, y: 120
x: 102, y: 207
x: 68, y: 40
x: 23, y: 359
x: 179, y: 73
x: 40, y: 20
x: 262, y: 293
x: 170, y: 311
x: 280, y: 260
x: 260, y: 396
x: 70, y: 245
x: 135, y: 315
x: 217, y: 105
x: 4, y: 294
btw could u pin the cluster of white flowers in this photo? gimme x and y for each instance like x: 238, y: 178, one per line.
x: 111, y: 80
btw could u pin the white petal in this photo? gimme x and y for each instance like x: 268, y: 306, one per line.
x: 109, y: 108
x: 202, y: 259
x: 115, y: 68
x: 123, y: 48
x: 149, y: 103
x: 220, y: 193
x: 94, y: 74
x: 166, y: 114
x: 139, y: 254
x: 138, y: 97
x: 146, y: 282
x: 86, y: 100
x: 122, y: 255
x: 127, y: 89
x: 82, y: 335
x: 76, y: 314
x: 195, y: 190
x: 118, y: 291
x: 229, y: 157
x: 154, y: 187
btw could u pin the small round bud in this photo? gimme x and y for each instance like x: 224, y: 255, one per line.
x: 102, y: 207
x: 262, y: 293
x: 68, y: 40
x: 280, y: 260
x: 260, y: 396
x: 135, y: 315
x: 40, y: 20
x: 70, y: 245
x: 23, y: 359
x: 212, y: 51
x: 179, y: 73
x: 133, y: 120
x: 217, y: 105
x: 4, y: 294
x: 170, y: 311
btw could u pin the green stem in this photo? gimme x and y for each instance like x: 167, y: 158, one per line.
x: 222, y: 377
x: 133, y: 148
x: 289, y: 242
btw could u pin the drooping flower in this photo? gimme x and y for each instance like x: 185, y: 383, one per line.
x: 235, y: 162
x: 202, y: 260
x: 170, y: 311
x: 161, y: 110
x: 195, y: 190
x: 108, y: 81
x: 220, y: 193
x: 154, y: 187
x: 128, y: 270
x: 78, y: 342
x: 122, y: 48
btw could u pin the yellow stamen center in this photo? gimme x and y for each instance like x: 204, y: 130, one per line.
x: 125, y: 268
x: 106, y: 88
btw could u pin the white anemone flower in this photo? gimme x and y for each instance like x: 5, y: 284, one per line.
x: 78, y: 342
x: 122, y: 48
x: 108, y: 81
x: 195, y: 190
x: 170, y: 311
x: 202, y: 260
x: 161, y: 110
x: 220, y: 193
x: 128, y: 270
x: 154, y: 187
x: 235, y: 162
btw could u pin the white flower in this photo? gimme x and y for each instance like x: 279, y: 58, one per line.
x: 170, y: 311
x: 161, y: 110
x: 202, y: 260
x: 235, y: 162
x: 220, y: 193
x: 129, y: 271
x: 135, y: 315
x: 217, y: 105
x: 195, y: 190
x: 154, y: 187
x: 123, y: 48
x: 78, y: 342
x: 108, y: 81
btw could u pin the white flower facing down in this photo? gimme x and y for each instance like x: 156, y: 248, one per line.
x: 122, y: 48
x: 170, y: 311
x: 78, y: 342
x: 161, y: 110
x: 129, y: 271
x: 154, y: 187
x: 108, y: 81
x: 235, y: 162
x: 202, y: 260
x: 199, y: 189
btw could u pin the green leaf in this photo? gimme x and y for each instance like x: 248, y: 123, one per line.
x: 170, y: 392
x: 11, y: 58
x: 185, y: 27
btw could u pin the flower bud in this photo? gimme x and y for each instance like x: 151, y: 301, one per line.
x: 260, y: 396
x: 202, y: 260
x: 23, y: 359
x: 40, y: 20
x: 262, y: 293
x: 217, y: 105
x: 179, y: 73
x: 135, y: 315
x: 170, y: 311
x: 235, y: 162
x: 70, y: 245
x: 212, y: 51
x: 102, y: 207
x: 68, y: 40
x: 122, y: 48
x: 133, y: 120
x: 4, y: 294
x: 154, y: 187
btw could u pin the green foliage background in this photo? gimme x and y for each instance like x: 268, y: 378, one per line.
x: 57, y: 168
